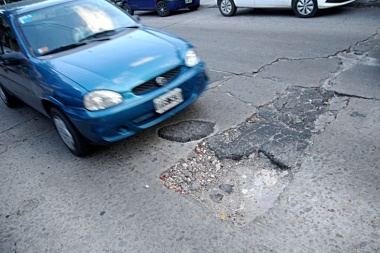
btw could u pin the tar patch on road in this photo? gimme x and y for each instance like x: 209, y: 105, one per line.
x: 281, y: 130
x: 240, y: 173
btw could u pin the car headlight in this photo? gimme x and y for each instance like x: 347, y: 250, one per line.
x: 191, y: 58
x: 101, y: 99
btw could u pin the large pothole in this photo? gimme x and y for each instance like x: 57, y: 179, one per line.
x: 239, y: 174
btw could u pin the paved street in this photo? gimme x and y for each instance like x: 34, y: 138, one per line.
x: 280, y: 154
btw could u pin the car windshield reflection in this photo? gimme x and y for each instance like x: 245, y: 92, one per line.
x: 56, y: 29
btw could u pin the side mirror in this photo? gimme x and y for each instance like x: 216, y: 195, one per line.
x: 14, y: 58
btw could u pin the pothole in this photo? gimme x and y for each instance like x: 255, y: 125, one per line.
x: 186, y: 131
x: 235, y: 191
x: 239, y: 174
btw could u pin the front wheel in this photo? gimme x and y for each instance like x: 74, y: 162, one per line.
x: 8, y: 99
x: 305, y: 8
x: 73, y: 140
x: 128, y: 8
x: 162, y: 9
x: 227, y: 7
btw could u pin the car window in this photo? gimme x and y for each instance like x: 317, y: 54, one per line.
x: 7, y: 37
x: 49, y: 29
x: 3, y: 2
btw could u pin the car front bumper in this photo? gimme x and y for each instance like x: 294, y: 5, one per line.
x: 137, y: 113
x: 324, y: 4
x: 179, y: 4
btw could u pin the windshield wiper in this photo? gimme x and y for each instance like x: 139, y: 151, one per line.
x: 63, y: 48
x: 132, y: 26
x: 101, y: 35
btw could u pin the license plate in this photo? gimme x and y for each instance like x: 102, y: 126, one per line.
x: 188, y: 1
x: 168, y: 100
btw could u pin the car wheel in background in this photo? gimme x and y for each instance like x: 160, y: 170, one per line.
x: 194, y: 7
x: 162, y: 9
x: 69, y: 134
x: 305, y: 8
x: 128, y: 8
x: 227, y: 7
x: 8, y: 99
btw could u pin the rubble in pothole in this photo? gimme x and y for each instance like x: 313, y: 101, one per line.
x: 195, y: 172
x: 237, y: 191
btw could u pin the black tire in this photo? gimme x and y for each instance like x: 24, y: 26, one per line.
x: 194, y: 7
x: 227, y: 7
x: 305, y: 8
x: 162, y: 9
x: 128, y: 8
x: 70, y: 136
x: 8, y: 99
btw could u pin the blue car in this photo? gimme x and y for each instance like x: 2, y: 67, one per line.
x: 163, y: 7
x: 99, y: 74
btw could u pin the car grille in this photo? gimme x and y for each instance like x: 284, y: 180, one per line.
x: 152, y: 84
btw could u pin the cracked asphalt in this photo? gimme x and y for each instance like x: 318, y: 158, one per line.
x: 257, y: 158
x: 280, y: 154
x: 243, y: 172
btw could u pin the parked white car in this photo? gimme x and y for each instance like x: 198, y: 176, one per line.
x: 302, y: 8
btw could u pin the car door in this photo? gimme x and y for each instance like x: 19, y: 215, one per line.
x: 141, y: 4
x: 16, y: 75
x: 270, y: 3
x: 261, y: 3
x: 244, y: 3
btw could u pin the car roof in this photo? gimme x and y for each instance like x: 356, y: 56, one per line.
x: 28, y: 5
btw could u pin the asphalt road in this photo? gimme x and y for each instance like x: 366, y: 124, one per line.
x: 288, y: 161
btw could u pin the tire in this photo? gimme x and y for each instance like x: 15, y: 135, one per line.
x: 194, y: 7
x: 8, y: 99
x: 305, y: 8
x: 70, y: 136
x: 162, y: 9
x: 227, y: 7
x: 128, y: 8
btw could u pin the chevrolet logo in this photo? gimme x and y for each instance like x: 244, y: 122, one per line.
x: 161, y: 81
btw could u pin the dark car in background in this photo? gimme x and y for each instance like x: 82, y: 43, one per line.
x: 163, y: 7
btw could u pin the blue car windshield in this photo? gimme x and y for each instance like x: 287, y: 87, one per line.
x: 61, y: 27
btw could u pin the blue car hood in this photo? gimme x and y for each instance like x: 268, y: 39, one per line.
x: 120, y: 63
